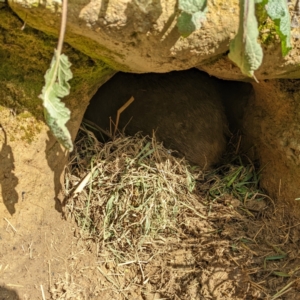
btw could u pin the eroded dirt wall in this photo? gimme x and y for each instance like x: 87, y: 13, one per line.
x: 272, y: 123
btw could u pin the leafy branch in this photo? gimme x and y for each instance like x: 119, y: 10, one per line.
x: 278, y: 11
x: 245, y: 49
x: 56, y: 87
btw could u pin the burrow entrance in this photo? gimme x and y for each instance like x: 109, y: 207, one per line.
x: 189, y: 111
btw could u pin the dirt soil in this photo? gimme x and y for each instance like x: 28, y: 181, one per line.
x: 240, y: 251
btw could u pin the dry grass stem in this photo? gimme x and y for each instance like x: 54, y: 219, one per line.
x: 43, y: 294
x: 13, y: 228
x: 120, y: 110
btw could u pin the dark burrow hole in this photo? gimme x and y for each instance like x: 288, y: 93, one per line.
x: 190, y: 112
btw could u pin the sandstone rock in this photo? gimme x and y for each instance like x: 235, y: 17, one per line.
x: 142, y: 36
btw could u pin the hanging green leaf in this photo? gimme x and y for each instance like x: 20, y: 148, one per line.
x: 192, y: 15
x: 56, y: 87
x: 192, y: 6
x: 245, y: 50
x: 278, y: 11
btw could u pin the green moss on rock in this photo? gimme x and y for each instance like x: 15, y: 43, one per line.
x: 84, y: 44
x: 26, y: 55
x: 266, y: 27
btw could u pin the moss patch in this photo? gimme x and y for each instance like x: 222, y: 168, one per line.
x: 96, y: 51
x: 26, y: 57
x: 266, y: 27
x: 84, y: 44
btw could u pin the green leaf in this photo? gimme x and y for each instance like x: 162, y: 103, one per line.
x: 278, y: 11
x: 274, y: 257
x: 185, y: 24
x: 234, y: 176
x: 245, y: 50
x: 56, y: 87
x: 192, y: 15
x: 281, y: 274
x: 192, y: 6
x: 109, y: 204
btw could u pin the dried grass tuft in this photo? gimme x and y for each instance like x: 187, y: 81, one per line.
x: 129, y: 191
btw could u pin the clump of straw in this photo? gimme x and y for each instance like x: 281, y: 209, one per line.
x: 128, y: 191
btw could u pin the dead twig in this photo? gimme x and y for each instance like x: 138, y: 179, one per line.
x: 120, y: 110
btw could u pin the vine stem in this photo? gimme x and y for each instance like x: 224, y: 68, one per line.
x: 63, y: 26
x: 58, y: 51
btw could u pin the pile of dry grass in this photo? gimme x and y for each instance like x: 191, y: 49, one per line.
x: 129, y: 191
